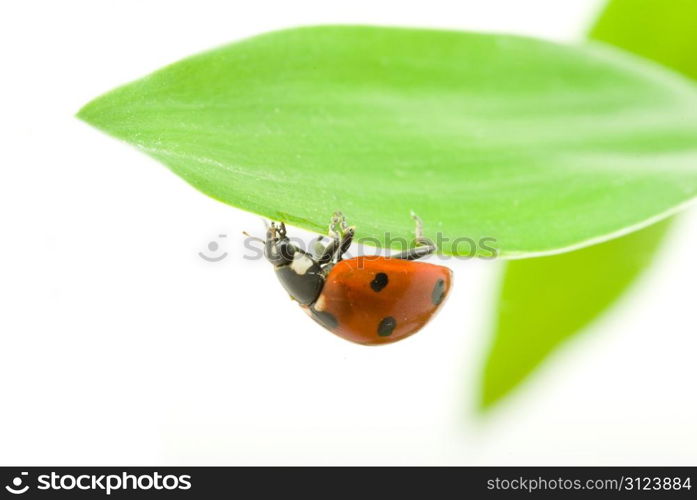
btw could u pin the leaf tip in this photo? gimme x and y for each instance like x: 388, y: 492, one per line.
x: 490, y: 396
x: 87, y: 112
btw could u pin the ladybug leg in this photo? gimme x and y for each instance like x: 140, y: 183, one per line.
x: 334, y: 251
x: 342, y: 235
x: 345, y: 231
x: 344, y: 244
x: 338, y: 225
x: 416, y: 252
x: 422, y: 245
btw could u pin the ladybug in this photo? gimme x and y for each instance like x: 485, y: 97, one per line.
x: 369, y: 300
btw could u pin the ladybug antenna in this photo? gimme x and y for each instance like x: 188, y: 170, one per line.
x: 252, y: 237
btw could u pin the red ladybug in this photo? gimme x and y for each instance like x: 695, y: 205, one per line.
x: 369, y: 300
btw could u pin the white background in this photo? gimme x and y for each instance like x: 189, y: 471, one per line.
x: 119, y: 345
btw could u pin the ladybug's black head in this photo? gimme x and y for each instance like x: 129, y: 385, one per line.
x: 278, y: 249
x: 299, y: 273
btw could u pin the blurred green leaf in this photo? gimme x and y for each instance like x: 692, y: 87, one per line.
x: 539, y: 145
x: 662, y: 30
x: 547, y: 300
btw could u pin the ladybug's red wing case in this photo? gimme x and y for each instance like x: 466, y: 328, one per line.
x: 378, y: 300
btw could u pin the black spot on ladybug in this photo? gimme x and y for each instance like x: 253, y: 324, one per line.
x: 379, y: 282
x: 386, y: 326
x: 438, y: 292
x: 324, y: 318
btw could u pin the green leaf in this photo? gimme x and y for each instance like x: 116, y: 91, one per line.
x: 545, y: 301
x: 661, y: 30
x: 548, y: 300
x: 541, y: 146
